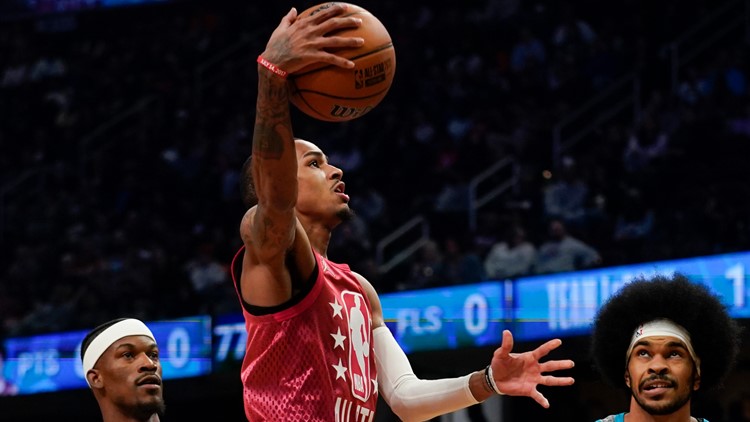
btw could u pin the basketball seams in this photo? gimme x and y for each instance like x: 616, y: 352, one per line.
x: 309, y: 107
x: 299, y: 92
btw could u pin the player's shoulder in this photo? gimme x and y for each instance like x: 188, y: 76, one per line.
x: 372, y: 296
x: 364, y: 282
x: 247, y: 219
x: 246, y: 224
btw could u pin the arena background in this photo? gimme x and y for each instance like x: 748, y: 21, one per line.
x: 123, y: 125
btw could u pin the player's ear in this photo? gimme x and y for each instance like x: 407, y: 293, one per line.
x: 94, y: 378
x: 627, y: 379
x: 696, y: 381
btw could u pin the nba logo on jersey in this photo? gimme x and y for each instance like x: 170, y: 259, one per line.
x: 358, y: 319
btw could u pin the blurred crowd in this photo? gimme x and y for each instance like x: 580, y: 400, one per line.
x: 123, y: 132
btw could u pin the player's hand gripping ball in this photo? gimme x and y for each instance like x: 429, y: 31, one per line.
x: 331, y: 93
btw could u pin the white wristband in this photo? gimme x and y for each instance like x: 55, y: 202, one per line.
x: 491, y: 379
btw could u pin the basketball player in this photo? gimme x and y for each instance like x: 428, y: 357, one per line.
x: 121, y: 365
x: 318, y: 348
x: 663, y: 339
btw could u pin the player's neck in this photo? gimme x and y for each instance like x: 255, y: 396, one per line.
x: 319, y: 238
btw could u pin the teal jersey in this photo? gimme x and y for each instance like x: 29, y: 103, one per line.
x: 621, y: 418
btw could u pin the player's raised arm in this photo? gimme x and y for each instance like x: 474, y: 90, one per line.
x: 270, y: 229
x: 294, y: 44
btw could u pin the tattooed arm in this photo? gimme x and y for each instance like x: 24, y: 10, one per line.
x: 270, y: 230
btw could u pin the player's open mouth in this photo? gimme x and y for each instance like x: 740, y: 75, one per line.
x: 657, y: 382
x: 339, y: 190
x: 655, y: 386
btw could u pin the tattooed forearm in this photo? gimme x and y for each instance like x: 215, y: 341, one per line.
x: 272, y: 122
x: 268, y: 143
x: 268, y: 235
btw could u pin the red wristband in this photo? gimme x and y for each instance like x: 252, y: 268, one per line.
x: 272, y: 67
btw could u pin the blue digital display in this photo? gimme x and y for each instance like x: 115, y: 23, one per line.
x: 230, y: 338
x: 430, y: 319
x: 565, y: 304
x: 533, y: 308
x: 52, y: 362
x: 446, y: 318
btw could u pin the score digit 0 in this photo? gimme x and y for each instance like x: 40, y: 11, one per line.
x: 476, y: 314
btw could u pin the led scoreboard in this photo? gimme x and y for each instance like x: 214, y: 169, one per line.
x: 468, y: 315
x: 564, y: 304
x: 52, y: 362
x: 229, y: 338
x: 446, y: 318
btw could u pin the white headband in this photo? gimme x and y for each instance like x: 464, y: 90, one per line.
x: 663, y: 327
x: 100, y: 343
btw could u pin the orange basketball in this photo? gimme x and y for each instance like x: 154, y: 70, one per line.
x: 335, y: 94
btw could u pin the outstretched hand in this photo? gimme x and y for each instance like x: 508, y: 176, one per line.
x: 519, y: 374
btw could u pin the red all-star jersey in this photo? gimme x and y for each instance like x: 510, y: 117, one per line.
x: 313, y: 358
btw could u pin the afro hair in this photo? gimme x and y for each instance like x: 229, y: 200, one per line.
x: 714, y: 334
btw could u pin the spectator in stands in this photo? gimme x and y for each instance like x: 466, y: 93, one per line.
x: 573, y: 34
x: 563, y: 252
x: 733, y: 77
x: 634, y: 223
x: 527, y: 60
x: 425, y: 269
x: 572, y: 38
x: 694, y: 87
x: 461, y: 264
x: 454, y: 195
x: 511, y: 257
x: 740, y: 124
x: 372, y: 208
x: 52, y: 314
x: 646, y: 144
x: 208, y: 277
x: 528, y: 52
x: 566, y: 198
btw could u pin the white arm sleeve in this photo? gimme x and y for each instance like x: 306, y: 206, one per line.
x: 409, y: 397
